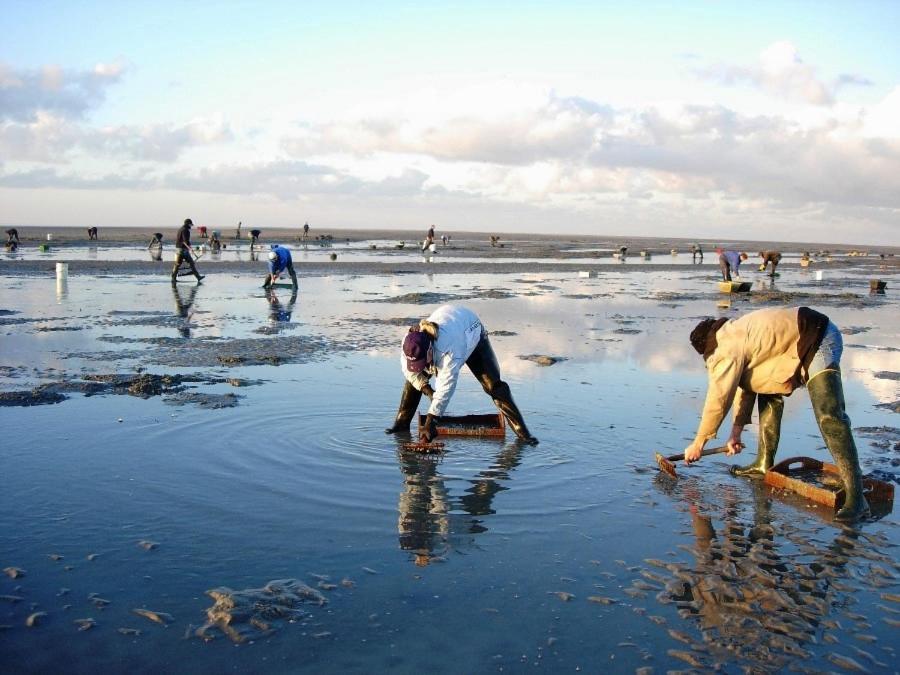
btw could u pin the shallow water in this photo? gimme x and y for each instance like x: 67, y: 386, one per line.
x: 575, y: 553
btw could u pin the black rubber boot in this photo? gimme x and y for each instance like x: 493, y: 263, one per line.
x: 827, y: 395
x: 483, y: 364
x: 771, y: 408
x: 409, y: 403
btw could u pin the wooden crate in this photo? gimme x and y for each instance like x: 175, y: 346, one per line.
x: 469, y: 425
x: 800, y: 475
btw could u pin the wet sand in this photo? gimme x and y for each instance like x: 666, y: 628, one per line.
x: 197, y: 478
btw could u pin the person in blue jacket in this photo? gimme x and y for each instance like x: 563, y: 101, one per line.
x: 730, y: 263
x: 279, y: 261
x: 438, y: 347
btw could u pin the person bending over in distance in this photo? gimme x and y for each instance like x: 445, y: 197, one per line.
x: 773, y: 257
x: 730, y: 263
x: 254, y: 237
x: 452, y: 336
x: 764, y: 356
x: 12, y: 235
x: 279, y: 261
x: 92, y: 233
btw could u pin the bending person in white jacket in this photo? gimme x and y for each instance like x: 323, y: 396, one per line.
x: 439, y: 346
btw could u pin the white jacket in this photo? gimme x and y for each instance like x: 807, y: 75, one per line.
x: 459, y: 332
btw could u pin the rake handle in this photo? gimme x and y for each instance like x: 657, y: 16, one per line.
x: 705, y: 453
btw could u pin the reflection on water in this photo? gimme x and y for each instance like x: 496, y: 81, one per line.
x: 431, y: 521
x: 184, y: 302
x: 761, y: 592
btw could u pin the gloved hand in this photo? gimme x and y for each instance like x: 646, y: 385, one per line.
x: 428, y: 391
x: 428, y: 430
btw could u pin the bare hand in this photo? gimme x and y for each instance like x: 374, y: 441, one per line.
x: 734, y: 447
x: 692, y: 452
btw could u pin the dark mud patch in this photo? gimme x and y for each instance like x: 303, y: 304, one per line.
x: 854, y: 330
x: 627, y: 331
x: 208, y: 401
x: 275, y: 328
x: 36, y: 396
x: 394, y: 321
x: 776, y: 297
x: 874, y: 347
x: 893, y: 406
x: 51, y: 329
x: 255, y: 613
x: 885, y: 443
x: 7, y: 312
x: 586, y: 296
x: 493, y: 294
x: 542, y: 359
x: 887, y: 375
x: 19, y: 320
x: 502, y: 333
x: 421, y: 299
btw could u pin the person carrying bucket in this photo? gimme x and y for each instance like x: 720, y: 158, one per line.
x: 439, y: 346
x: 773, y: 257
x: 279, y: 261
x: 764, y: 356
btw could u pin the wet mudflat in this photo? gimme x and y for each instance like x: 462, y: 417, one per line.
x: 192, y: 469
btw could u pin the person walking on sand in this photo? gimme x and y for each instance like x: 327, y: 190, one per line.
x: 279, y: 261
x: 730, y: 263
x: 452, y: 336
x: 773, y: 257
x: 237, y: 233
x: 305, y: 231
x: 764, y: 356
x: 185, y: 252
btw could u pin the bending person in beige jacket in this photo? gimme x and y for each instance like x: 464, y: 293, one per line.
x: 766, y: 355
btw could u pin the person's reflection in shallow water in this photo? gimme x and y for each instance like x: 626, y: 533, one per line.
x: 280, y: 313
x: 184, y: 302
x: 759, y: 602
x: 431, y: 522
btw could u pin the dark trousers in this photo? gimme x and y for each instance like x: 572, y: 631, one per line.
x: 184, y: 256
x: 725, y: 267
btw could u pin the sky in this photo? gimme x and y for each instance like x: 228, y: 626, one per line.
x: 710, y: 120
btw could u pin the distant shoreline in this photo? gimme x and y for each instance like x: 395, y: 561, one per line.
x: 291, y: 236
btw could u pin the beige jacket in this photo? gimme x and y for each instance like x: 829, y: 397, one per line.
x: 755, y: 354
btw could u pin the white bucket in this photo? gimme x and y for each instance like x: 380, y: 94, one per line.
x: 819, y: 275
x: 49, y: 237
x: 62, y: 272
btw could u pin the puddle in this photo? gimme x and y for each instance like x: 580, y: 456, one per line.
x: 162, y: 443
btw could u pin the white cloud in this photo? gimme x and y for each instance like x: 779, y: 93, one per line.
x: 25, y: 94
x: 780, y: 72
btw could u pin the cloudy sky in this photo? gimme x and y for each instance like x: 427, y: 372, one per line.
x: 713, y: 120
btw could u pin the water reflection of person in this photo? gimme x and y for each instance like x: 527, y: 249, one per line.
x: 751, y: 600
x: 431, y: 521
x: 183, y: 306
x: 278, y: 312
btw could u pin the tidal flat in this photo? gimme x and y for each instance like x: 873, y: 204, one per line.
x: 196, y: 479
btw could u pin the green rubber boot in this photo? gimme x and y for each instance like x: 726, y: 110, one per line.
x: 827, y: 395
x: 771, y: 408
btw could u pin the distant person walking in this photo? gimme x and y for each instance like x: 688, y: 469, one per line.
x: 305, y: 231
x: 237, y: 234
x: 730, y: 263
x: 773, y: 257
x: 279, y: 261
x: 92, y: 234
x: 185, y: 252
